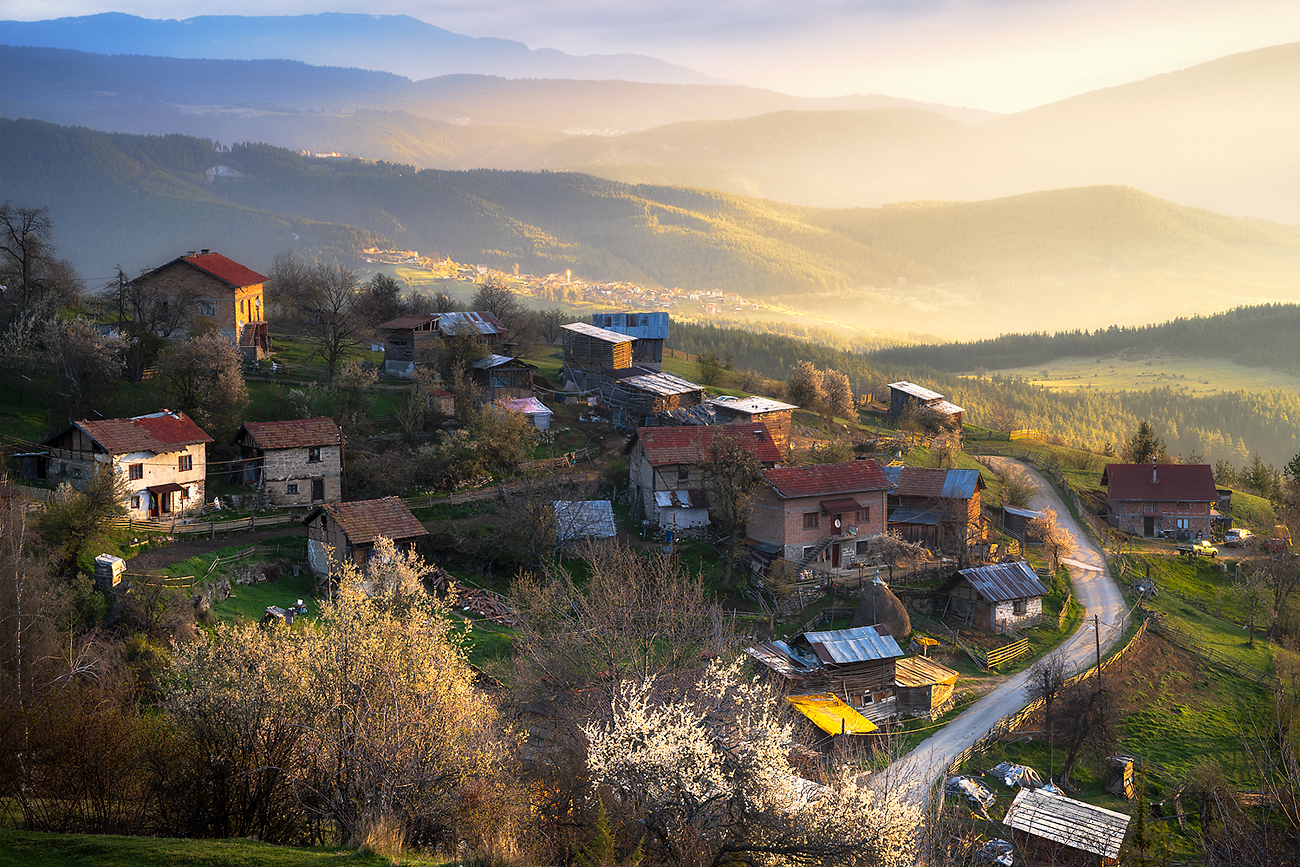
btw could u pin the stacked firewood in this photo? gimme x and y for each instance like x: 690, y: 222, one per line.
x: 475, y: 600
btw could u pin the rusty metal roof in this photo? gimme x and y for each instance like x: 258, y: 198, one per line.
x: 860, y: 644
x: 933, y: 482
x: 789, y: 662
x: 158, y: 432
x: 915, y: 671
x: 1001, y: 582
x: 295, y: 434
x: 653, y: 381
x: 1068, y: 822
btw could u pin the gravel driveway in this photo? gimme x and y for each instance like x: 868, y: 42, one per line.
x: 1093, y: 588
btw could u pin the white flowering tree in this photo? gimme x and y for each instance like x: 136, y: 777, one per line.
x: 706, y: 772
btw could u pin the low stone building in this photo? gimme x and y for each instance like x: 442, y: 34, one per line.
x: 292, y: 463
x: 347, y: 532
x: 999, y: 597
x: 163, y: 458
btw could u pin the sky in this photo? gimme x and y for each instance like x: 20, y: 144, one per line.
x: 1000, y: 55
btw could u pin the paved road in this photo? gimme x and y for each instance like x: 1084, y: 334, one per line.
x: 1094, y: 590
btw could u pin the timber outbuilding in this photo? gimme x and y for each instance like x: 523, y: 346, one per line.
x: 925, y: 687
x: 589, y: 351
x: 347, y: 532
x: 648, y: 331
x: 775, y: 414
x: 1051, y: 829
x: 999, y: 597
x: 636, y: 394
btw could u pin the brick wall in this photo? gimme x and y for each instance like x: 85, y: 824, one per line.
x: 781, y: 522
x: 231, y: 308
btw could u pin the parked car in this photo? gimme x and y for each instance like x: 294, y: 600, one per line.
x: 1237, y: 537
x: 1199, y: 548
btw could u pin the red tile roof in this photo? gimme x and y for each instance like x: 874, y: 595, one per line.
x: 933, y: 482
x: 366, y: 520
x: 296, y: 434
x: 665, y: 446
x: 159, y: 433
x: 225, y: 269
x: 827, y: 479
x: 1186, y: 482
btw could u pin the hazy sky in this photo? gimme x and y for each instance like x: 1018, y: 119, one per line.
x: 1002, y: 55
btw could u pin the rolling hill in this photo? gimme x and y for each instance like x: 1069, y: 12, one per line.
x: 1057, y: 260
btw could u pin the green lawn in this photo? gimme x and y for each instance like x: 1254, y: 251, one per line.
x: 33, y: 849
x: 1131, y: 370
x: 249, y: 601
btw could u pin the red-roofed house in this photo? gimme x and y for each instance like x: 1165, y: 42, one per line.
x: 824, y: 513
x: 667, y: 471
x: 208, y: 284
x: 292, y: 462
x: 1144, y: 499
x: 341, y: 532
x: 163, y: 457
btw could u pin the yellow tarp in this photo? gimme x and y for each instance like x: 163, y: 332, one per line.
x: 832, y: 715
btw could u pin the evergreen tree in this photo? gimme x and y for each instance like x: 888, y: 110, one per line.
x: 1144, y: 446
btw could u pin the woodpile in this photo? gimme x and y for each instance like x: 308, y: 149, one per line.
x: 476, y: 600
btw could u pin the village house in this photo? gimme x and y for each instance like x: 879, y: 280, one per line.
x: 749, y: 410
x: 292, y: 463
x: 937, y: 508
x: 502, y: 377
x: 1148, y: 499
x: 856, y: 665
x: 347, y: 532
x: 826, y: 513
x: 668, y: 470
x: 407, y: 337
x: 588, y: 351
x: 999, y: 597
x: 441, y: 401
x: 903, y: 394
x: 208, y: 284
x: 635, y: 394
x: 163, y: 457
x: 648, y: 330
x: 1051, y: 829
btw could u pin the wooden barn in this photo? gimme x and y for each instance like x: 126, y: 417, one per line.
x: 499, y: 376
x: 753, y: 410
x: 635, y: 394
x: 903, y: 394
x: 1055, y: 830
x: 404, y: 337
x: 648, y: 331
x: 925, y: 687
x: 999, y: 597
x: 588, y: 351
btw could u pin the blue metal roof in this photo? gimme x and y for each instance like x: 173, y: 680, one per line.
x: 860, y: 644
x: 652, y: 326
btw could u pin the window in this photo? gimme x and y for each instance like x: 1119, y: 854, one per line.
x: 186, y: 463
x: 1018, y: 607
x: 135, y: 471
x: 863, y: 515
x: 207, y: 308
x: 1183, y: 523
x: 683, y: 473
x: 135, y: 502
x: 313, y: 455
x: 810, y: 520
x: 291, y: 488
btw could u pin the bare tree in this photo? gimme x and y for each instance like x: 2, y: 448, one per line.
x: 495, y: 295
x: 732, y: 474
x: 85, y: 362
x: 1047, y: 679
x: 25, y: 244
x: 551, y: 322
x: 1095, y: 723
x: 1057, y: 541
x: 204, y: 376
x: 333, y: 320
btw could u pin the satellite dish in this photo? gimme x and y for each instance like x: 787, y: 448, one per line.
x: 837, y: 523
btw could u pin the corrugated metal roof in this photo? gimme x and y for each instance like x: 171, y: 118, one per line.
x: 928, y: 517
x: 597, y: 333
x: 295, y: 434
x: 577, y: 519
x: 412, y: 320
x: 475, y: 320
x: 822, y: 480
x: 832, y: 715
x: 918, y: 391
x: 158, y: 432
x: 1022, y: 513
x: 947, y: 406
x: 663, y: 384
x: 681, y: 499
x: 1173, y: 482
x: 643, y: 326
x: 1068, y: 822
x: 933, y: 482
x: 753, y: 405
x: 784, y: 660
x: 1002, y: 582
x: 860, y: 644
x: 492, y: 361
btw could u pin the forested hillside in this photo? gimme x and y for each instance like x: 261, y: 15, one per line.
x: 1231, y: 427
x: 1042, y: 260
x: 1264, y: 336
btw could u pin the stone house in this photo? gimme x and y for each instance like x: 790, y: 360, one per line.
x: 824, y: 514
x: 346, y: 532
x: 935, y: 507
x: 162, y: 456
x: 1145, y: 499
x: 208, y: 284
x: 668, y: 475
x: 999, y: 597
x: 292, y: 463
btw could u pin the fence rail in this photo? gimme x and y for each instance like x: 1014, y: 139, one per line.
x: 1194, y: 645
x: 252, y: 522
x: 677, y: 353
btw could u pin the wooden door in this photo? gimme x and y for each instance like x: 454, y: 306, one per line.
x: 317, y: 490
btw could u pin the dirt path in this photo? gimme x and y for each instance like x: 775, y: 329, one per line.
x: 1095, y: 591
x: 156, y: 559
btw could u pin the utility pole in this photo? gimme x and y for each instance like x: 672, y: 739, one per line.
x: 1096, y: 626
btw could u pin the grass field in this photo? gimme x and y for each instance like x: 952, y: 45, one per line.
x: 249, y: 601
x: 1134, y: 371
x: 33, y: 849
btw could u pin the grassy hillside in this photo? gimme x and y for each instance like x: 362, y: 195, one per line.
x: 1028, y: 262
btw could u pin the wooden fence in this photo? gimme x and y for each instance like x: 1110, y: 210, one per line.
x: 212, y: 528
x: 565, y: 460
x: 1027, y: 433
x: 1194, y: 645
x: 677, y: 353
x: 1012, y: 721
x: 1065, y: 611
x: 991, y: 659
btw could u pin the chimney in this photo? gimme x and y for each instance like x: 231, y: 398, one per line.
x: 205, y: 251
x: 189, y: 252
x: 1154, y: 480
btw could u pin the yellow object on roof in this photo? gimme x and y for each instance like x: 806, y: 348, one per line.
x: 832, y: 715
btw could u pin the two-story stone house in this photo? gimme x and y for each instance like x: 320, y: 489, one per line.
x: 1145, y: 499
x: 296, y: 462
x: 668, y: 470
x: 163, y: 457
x: 825, y: 513
x: 208, y: 284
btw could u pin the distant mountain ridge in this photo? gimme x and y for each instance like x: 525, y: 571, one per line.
x: 1050, y: 260
x: 395, y: 43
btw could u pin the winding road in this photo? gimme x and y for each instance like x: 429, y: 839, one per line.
x: 1093, y: 588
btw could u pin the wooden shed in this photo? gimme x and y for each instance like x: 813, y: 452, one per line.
x: 925, y: 688
x: 1055, y: 830
x: 338, y: 532
x: 635, y: 394
x: 999, y: 597
x: 589, y: 350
